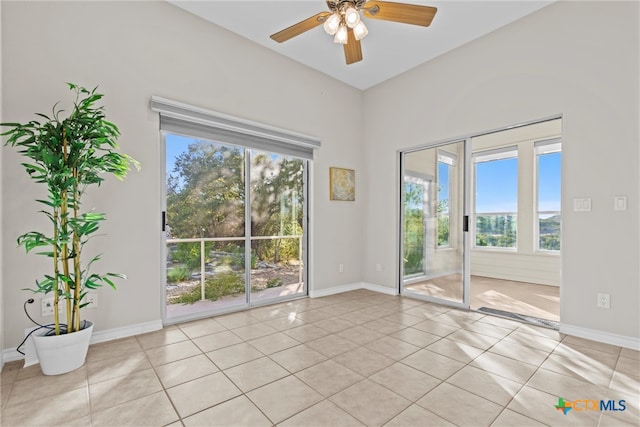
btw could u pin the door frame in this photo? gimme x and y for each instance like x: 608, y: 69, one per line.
x: 466, y: 255
x: 466, y: 209
x: 304, y: 256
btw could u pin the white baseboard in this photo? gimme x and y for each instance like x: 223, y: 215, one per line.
x: 378, y: 288
x: 601, y: 336
x: 334, y: 290
x: 11, y: 354
x: 422, y: 278
x: 352, y: 287
x: 126, y: 331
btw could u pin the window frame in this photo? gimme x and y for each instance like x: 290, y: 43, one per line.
x: 541, y: 148
x: 451, y: 161
x: 199, y: 123
x: 483, y: 156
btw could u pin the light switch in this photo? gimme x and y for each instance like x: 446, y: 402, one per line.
x: 582, y: 205
x: 620, y: 203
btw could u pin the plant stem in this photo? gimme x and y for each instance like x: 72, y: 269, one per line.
x: 77, y: 273
x: 64, y: 222
x: 56, y: 272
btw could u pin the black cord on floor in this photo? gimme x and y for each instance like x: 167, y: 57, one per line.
x: 41, y: 326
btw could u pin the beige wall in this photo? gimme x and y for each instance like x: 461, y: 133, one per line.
x: 134, y: 50
x: 578, y: 59
x: 1, y: 225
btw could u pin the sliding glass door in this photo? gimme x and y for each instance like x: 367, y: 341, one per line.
x: 277, y: 188
x: 434, y: 220
x: 235, y: 227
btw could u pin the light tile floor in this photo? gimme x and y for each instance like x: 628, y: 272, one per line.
x: 525, y: 298
x: 358, y: 358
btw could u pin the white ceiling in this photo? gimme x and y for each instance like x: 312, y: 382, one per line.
x: 390, y: 48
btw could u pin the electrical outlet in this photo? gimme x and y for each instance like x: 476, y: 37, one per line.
x: 604, y: 301
x: 341, y: 268
x: 378, y: 267
x: 47, y: 306
x: 582, y: 205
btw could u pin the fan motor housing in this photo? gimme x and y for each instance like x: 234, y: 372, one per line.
x: 336, y: 5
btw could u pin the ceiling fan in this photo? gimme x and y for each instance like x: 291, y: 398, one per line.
x: 345, y: 24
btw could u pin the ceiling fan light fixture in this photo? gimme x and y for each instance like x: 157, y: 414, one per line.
x: 344, y: 21
x: 360, y: 31
x: 351, y: 17
x: 341, y: 35
x: 332, y: 24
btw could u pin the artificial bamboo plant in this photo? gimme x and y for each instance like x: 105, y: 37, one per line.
x: 69, y: 155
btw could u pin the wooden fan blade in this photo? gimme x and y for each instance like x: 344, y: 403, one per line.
x: 300, y: 27
x: 353, y: 49
x: 400, y: 12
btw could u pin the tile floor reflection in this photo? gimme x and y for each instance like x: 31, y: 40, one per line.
x: 358, y: 358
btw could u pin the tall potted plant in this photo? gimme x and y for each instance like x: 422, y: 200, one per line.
x: 68, y: 155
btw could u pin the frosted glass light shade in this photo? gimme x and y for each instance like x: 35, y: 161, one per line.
x: 332, y: 24
x: 351, y: 17
x: 341, y: 35
x: 360, y: 31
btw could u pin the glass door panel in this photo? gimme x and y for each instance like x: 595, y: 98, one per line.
x: 277, y: 226
x: 433, y: 241
x: 204, y: 226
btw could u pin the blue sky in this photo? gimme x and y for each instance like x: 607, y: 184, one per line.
x: 443, y: 183
x: 549, y: 184
x: 497, y: 184
x: 176, y: 144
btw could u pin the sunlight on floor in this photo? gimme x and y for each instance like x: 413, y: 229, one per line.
x: 528, y: 299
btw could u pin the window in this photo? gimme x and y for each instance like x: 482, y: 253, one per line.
x: 548, y: 163
x: 236, y: 208
x: 496, y: 198
x: 416, y: 197
x: 446, y: 162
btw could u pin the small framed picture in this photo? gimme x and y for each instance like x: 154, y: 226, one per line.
x: 342, y: 184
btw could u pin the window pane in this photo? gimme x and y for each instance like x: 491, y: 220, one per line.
x: 496, y: 231
x: 443, y: 204
x: 205, y: 200
x: 277, y: 203
x: 549, y: 182
x: 497, y: 186
x: 496, y: 203
x: 549, y: 201
x: 205, y: 188
x: 414, y: 227
x: 549, y: 232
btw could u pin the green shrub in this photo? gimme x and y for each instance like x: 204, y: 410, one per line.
x: 187, y: 253
x: 222, y: 284
x: 178, y: 274
x: 274, y: 282
x: 235, y: 257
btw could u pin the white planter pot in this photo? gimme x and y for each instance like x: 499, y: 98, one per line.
x: 59, y: 354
